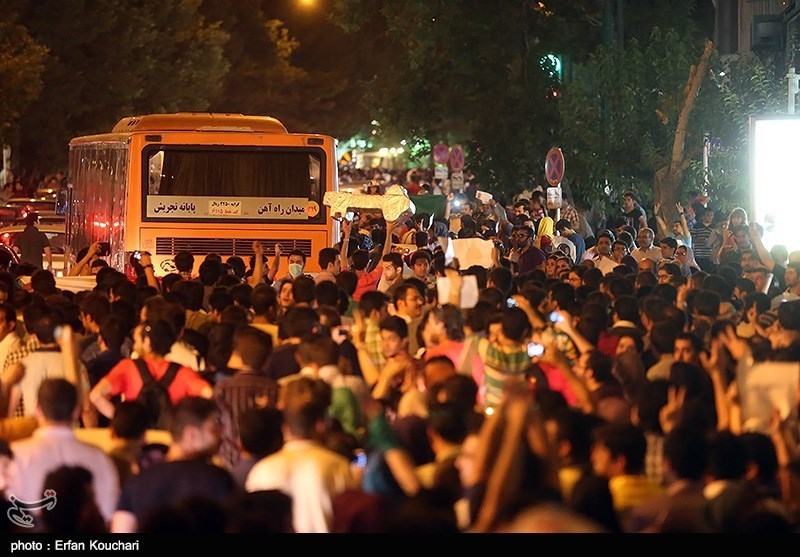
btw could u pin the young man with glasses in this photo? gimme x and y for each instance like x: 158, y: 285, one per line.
x: 527, y: 256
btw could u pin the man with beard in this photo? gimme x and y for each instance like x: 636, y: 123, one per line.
x: 392, y: 275
x: 527, y: 256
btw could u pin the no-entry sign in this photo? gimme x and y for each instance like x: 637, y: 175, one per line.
x: 457, y: 158
x: 554, y: 166
x: 441, y: 153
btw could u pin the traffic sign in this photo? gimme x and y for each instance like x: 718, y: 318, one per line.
x: 457, y: 158
x: 554, y: 166
x: 457, y: 181
x: 441, y: 153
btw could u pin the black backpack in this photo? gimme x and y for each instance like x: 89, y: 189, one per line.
x: 154, y: 395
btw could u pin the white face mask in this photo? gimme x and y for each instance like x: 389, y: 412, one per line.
x: 295, y: 269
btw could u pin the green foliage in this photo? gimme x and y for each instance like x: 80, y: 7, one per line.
x: 21, y: 68
x: 738, y: 88
x: 619, y: 114
x: 470, y: 73
x: 113, y: 59
x: 265, y: 77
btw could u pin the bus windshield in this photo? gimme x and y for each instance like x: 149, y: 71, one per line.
x: 216, y: 183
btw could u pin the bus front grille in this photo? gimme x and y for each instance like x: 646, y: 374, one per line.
x: 243, y: 247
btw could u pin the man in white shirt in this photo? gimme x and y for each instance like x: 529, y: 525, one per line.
x: 646, y: 248
x: 600, y: 254
x: 305, y: 469
x: 54, y: 445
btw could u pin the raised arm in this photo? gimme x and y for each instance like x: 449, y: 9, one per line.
x: 763, y: 253
x: 258, y: 265
x: 684, y: 225
x: 662, y: 224
x: 387, y: 244
x: 78, y: 268
x: 276, y: 262
x: 149, y: 271
x: 369, y: 370
x: 347, y: 226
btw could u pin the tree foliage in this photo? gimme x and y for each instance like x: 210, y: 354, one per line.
x: 738, y: 88
x: 21, y: 68
x: 471, y: 72
x: 266, y: 79
x: 619, y: 114
x: 113, y: 59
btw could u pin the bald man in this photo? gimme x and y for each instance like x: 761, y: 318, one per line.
x: 645, y: 247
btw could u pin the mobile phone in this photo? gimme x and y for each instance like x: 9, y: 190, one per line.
x: 535, y: 349
x: 104, y: 249
x: 58, y: 332
x: 512, y: 303
x: 137, y: 254
x: 359, y: 459
x: 556, y: 317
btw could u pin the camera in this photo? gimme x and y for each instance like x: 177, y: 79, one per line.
x: 137, y: 255
x: 535, y: 349
x: 512, y: 303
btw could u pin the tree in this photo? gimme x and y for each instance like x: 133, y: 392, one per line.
x: 737, y: 88
x: 669, y: 177
x: 619, y: 115
x: 114, y: 59
x: 21, y: 67
x: 472, y: 73
x: 309, y: 89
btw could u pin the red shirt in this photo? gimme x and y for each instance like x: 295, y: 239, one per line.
x: 124, y: 379
x: 413, y: 188
x: 367, y: 282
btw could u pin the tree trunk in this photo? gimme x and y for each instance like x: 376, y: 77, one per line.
x: 668, y: 178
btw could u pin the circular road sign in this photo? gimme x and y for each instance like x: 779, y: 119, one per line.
x: 457, y: 158
x: 441, y: 153
x: 554, y: 166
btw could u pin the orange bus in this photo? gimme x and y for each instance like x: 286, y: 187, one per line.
x: 202, y: 182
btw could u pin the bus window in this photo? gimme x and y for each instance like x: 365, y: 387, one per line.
x: 220, y: 184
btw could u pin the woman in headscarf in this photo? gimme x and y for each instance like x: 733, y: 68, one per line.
x: 685, y: 257
x: 544, y: 234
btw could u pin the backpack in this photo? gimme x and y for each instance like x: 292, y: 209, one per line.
x: 154, y: 395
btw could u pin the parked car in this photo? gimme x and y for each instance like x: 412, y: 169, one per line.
x: 46, y: 217
x: 30, y: 204
x: 55, y: 233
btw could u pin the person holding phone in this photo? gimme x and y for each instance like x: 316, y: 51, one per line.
x: 86, y: 259
x: 31, y: 243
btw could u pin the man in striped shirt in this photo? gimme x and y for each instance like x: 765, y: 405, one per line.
x: 507, y: 360
x: 703, y: 240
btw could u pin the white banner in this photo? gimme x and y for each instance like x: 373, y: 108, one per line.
x: 258, y: 208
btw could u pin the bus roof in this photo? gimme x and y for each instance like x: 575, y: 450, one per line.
x: 199, y: 121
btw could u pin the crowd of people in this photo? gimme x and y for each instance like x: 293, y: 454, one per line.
x: 640, y: 378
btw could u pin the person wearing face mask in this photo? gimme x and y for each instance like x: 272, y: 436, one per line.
x: 297, y: 261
